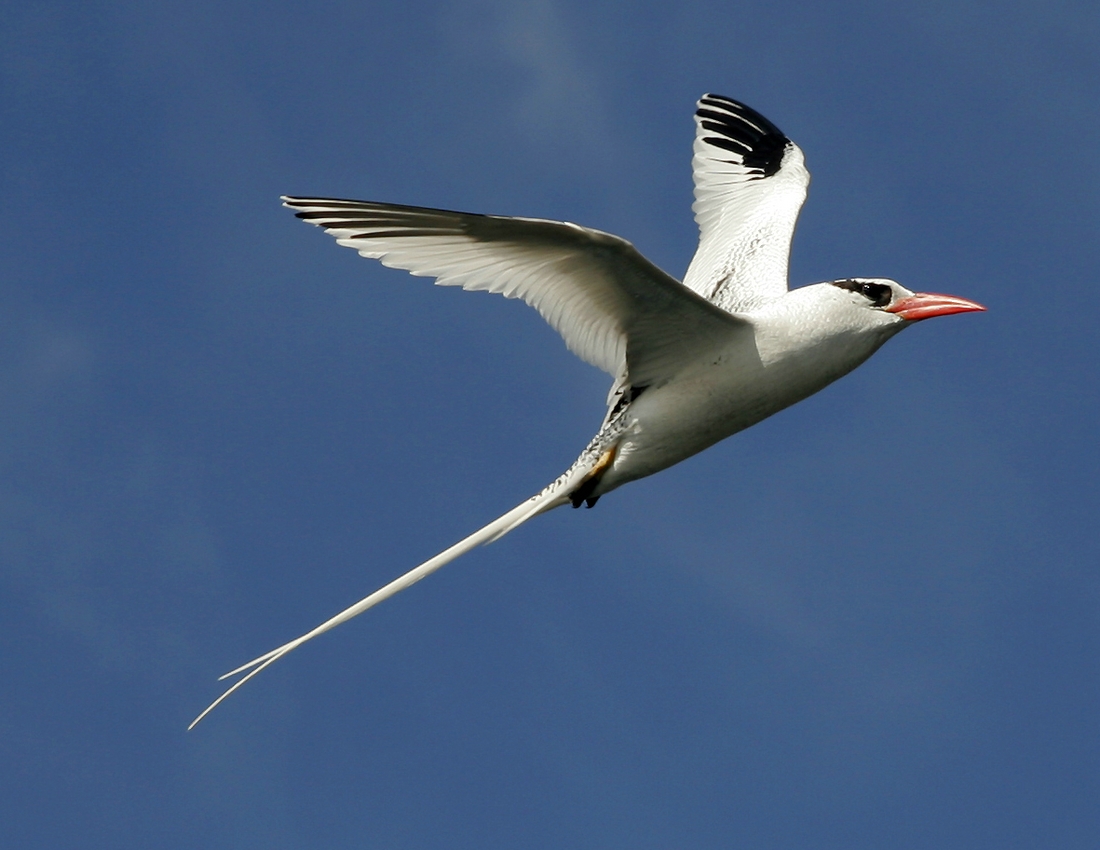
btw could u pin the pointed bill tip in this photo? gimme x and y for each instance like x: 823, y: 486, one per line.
x: 926, y: 305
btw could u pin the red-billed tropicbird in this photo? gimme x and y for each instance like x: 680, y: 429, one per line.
x: 693, y: 362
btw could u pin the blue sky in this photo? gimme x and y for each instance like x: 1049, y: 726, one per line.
x: 872, y: 621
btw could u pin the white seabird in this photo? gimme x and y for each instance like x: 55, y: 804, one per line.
x: 692, y: 362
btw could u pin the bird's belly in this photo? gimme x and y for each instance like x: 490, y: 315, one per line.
x: 671, y: 423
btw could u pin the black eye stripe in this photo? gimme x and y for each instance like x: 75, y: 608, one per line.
x: 879, y: 294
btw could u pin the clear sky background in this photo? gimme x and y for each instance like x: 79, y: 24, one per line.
x: 872, y: 621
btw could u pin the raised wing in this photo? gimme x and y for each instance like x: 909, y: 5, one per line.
x: 750, y: 182
x: 614, y: 308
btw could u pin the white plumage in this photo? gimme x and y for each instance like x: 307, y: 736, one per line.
x: 692, y: 363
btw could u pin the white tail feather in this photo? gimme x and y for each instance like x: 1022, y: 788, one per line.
x: 554, y: 496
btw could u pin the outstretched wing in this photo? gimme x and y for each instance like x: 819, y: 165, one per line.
x: 614, y: 308
x: 750, y: 182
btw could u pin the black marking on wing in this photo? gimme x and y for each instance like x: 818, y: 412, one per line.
x: 625, y: 397
x: 376, y: 219
x: 743, y: 131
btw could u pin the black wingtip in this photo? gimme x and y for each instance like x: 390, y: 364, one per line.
x: 742, y: 109
x: 740, y: 129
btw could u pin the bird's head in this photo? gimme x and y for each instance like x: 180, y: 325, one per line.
x: 886, y: 304
x: 843, y: 322
x: 854, y: 316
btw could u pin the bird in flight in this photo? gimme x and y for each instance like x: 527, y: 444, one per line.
x: 692, y: 362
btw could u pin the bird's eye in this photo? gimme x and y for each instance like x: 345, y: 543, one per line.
x: 879, y: 294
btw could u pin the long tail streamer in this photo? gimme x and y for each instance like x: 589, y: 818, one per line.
x: 552, y: 497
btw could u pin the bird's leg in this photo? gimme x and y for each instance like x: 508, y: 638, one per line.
x: 583, y: 493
